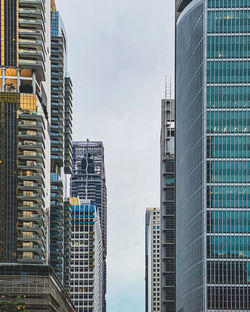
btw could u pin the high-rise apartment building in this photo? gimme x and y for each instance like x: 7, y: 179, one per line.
x: 24, y: 122
x: 87, y: 264
x: 25, y: 125
x: 152, y: 260
x: 168, y: 280
x: 212, y: 156
x: 89, y: 182
x: 61, y: 141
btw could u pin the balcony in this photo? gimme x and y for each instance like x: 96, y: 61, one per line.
x: 57, y: 83
x: 34, y: 197
x: 39, y: 147
x: 31, y: 12
x: 57, y: 90
x: 57, y: 60
x: 56, y: 128
x: 56, y: 97
x: 57, y: 75
x: 30, y: 43
x: 37, y: 168
x: 56, y: 189
x: 35, y: 34
x: 33, y: 63
x: 35, y: 217
x: 35, y: 23
x: 31, y: 126
x: 38, y: 188
x: 34, y: 228
x: 33, y: 3
x: 38, y: 137
x: 56, y: 113
x: 57, y: 197
x: 31, y: 53
x: 38, y: 158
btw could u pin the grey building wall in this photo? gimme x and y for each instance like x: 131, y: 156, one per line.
x: 167, y: 209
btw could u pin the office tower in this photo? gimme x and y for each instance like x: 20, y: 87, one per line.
x: 212, y: 156
x: 89, y: 182
x: 168, y: 281
x: 61, y: 140
x: 152, y: 259
x: 86, y: 287
x: 24, y: 122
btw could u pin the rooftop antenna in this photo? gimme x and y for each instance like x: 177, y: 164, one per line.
x: 168, y: 89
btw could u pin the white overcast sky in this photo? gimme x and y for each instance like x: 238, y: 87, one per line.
x: 119, y: 54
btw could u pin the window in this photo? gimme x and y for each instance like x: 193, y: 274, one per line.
x: 27, y: 255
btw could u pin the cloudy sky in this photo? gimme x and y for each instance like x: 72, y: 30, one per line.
x: 119, y: 54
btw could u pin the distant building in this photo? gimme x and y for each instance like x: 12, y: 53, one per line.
x: 88, y: 182
x: 152, y: 260
x: 87, y: 263
x: 168, y: 233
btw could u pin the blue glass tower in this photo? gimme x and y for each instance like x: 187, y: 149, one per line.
x: 212, y: 155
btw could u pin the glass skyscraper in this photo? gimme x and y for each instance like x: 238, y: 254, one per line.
x: 212, y: 155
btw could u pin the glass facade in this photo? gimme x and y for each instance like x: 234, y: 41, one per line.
x: 224, y: 179
x: 228, y: 189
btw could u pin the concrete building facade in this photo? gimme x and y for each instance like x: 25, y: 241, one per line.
x: 152, y: 260
x: 87, y: 262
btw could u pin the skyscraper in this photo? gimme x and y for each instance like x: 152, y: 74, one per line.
x: 167, y: 210
x: 25, y: 122
x: 152, y: 260
x: 88, y: 181
x: 212, y: 156
x: 25, y: 108
x: 87, y: 264
x: 61, y: 140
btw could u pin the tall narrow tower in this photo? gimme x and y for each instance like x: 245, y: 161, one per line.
x: 167, y: 209
x: 61, y: 140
